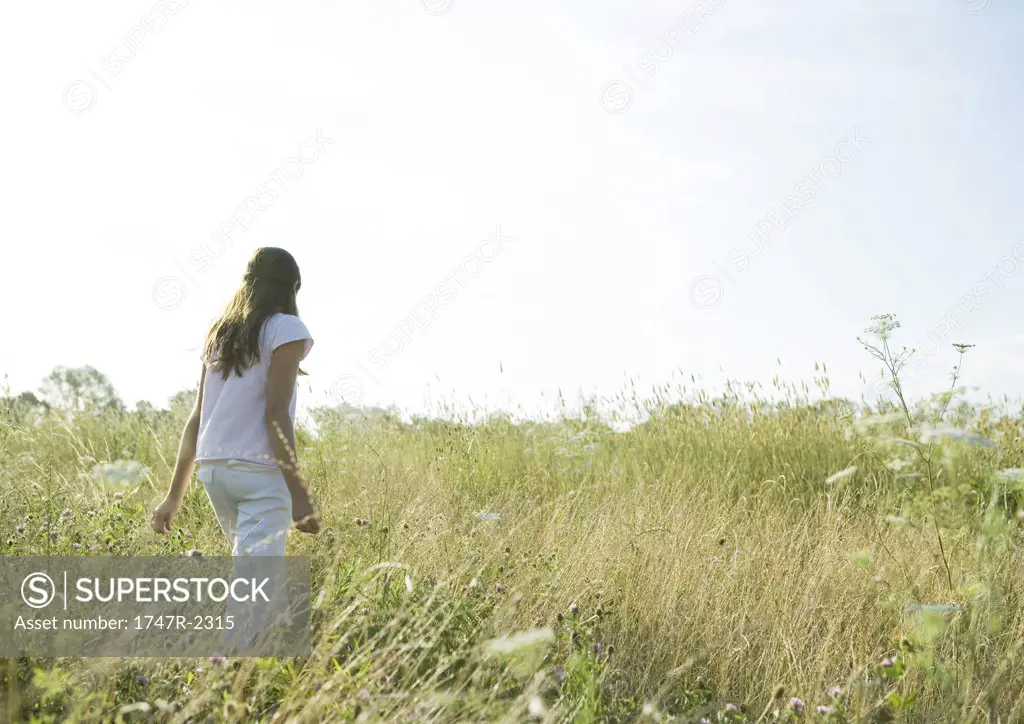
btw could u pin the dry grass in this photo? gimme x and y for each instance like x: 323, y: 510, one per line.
x: 707, y: 558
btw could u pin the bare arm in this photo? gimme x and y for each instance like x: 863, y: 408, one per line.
x: 284, y: 369
x: 183, y: 466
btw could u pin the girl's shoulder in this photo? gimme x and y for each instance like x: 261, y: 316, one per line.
x: 282, y: 328
x: 282, y: 320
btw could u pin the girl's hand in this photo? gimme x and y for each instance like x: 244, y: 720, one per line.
x: 164, y: 514
x: 304, y: 514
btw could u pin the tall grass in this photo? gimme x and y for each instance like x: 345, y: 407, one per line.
x: 706, y: 564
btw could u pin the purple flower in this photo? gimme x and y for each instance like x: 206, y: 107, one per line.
x: 835, y: 692
x: 66, y: 513
x: 796, y: 704
x: 217, y: 660
x: 888, y: 663
x: 731, y: 708
x: 598, y: 650
x: 559, y: 674
x: 824, y: 710
x: 142, y: 680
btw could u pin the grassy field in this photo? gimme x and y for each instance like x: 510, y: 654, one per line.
x: 729, y: 559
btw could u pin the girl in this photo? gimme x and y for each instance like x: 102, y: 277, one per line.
x: 241, y: 431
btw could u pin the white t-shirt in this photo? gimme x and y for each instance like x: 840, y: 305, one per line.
x: 232, y: 422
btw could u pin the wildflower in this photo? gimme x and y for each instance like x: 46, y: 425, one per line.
x: 217, y: 660
x: 835, y: 692
x: 559, y: 674
x: 142, y: 680
x: 118, y: 495
x: 961, y: 347
x: 598, y: 650
x: 825, y: 710
x: 941, y: 432
x: 120, y: 472
x: 535, y: 707
x: 76, y: 546
x: 54, y: 535
x: 21, y: 528
x: 66, y: 513
x: 796, y: 704
x: 731, y: 708
x: 888, y: 663
x: 574, y: 609
x: 515, y: 642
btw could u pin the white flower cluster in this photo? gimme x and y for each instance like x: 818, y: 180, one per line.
x: 120, y: 472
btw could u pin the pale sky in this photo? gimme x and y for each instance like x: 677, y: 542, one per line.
x: 441, y: 121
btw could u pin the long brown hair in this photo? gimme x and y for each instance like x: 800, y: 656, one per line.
x: 269, y: 286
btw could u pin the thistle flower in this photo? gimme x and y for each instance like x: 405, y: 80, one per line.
x: 796, y: 704
x: 888, y: 663
x: 217, y: 660
x: 835, y: 692
x: 559, y: 674
x: 142, y: 680
x: 825, y: 710
x: 731, y: 708
x: 66, y: 513
x: 574, y: 609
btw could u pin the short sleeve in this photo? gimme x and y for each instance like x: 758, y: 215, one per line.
x: 290, y: 328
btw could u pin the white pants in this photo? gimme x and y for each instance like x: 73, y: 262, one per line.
x: 252, y: 504
x: 254, y: 509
